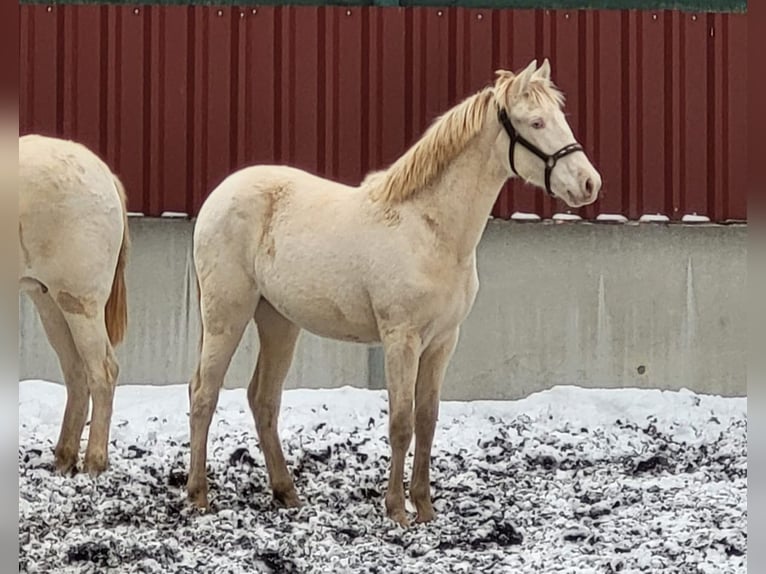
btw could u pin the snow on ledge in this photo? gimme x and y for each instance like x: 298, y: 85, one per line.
x: 653, y: 218
x: 694, y: 218
x: 566, y: 217
x: 174, y: 214
x: 611, y: 218
x: 135, y: 214
x: 521, y: 216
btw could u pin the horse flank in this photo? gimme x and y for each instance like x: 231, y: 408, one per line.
x: 116, y: 310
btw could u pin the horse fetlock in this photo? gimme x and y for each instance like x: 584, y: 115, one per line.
x: 420, y: 493
x: 425, y: 514
x: 66, y: 460
x: 287, y: 497
x: 95, y: 462
x: 395, y: 505
x: 196, y: 493
x: 398, y: 515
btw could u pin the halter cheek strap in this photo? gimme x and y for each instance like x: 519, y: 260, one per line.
x: 550, y: 160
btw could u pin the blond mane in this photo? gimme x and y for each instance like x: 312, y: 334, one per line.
x: 427, y: 158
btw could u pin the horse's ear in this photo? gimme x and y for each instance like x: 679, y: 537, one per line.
x: 530, y: 69
x: 521, y: 81
x: 544, y: 71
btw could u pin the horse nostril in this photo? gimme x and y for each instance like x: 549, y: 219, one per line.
x: 589, y: 185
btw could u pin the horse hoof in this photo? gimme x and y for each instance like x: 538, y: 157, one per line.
x: 94, y: 465
x: 198, y: 498
x: 400, y: 517
x: 66, y: 465
x: 425, y: 516
x: 288, y: 499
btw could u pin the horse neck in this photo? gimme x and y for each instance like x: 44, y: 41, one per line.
x: 462, y: 200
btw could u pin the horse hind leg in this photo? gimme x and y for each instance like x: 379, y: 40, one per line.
x: 76, y: 412
x: 278, y: 337
x: 223, y: 324
x: 90, y: 336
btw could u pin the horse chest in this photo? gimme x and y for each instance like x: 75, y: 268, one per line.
x: 451, y: 302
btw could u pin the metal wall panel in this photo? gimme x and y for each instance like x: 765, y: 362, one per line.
x: 177, y: 97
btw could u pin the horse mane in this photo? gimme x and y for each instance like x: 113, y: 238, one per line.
x: 426, y: 159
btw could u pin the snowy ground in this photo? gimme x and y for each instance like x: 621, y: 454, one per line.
x: 567, y: 480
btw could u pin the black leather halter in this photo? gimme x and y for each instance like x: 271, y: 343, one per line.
x: 550, y: 160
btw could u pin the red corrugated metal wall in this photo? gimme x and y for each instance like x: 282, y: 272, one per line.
x: 177, y: 97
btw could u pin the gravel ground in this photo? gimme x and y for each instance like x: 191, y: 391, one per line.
x: 568, y: 480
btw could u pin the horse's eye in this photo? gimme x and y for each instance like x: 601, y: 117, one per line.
x: 538, y: 124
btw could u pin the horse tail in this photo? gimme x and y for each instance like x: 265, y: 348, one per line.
x: 116, y: 310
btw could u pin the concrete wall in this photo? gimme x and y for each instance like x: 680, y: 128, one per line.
x: 586, y: 304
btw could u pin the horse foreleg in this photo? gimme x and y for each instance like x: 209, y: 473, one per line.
x: 433, y: 365
x: 402, y: 352
x: 278, y: 337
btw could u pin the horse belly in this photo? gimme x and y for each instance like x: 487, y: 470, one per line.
x: 341, y: 316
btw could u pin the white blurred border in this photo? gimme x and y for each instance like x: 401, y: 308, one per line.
x: 9, y: 79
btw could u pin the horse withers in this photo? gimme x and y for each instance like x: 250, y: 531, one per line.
x: 391, y: 262
x: 73, y: 241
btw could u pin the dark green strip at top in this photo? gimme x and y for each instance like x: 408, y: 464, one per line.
x: 685, y: 5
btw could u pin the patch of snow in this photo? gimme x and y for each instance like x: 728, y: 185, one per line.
x: 135, y: 214
x: 566, y: 480
x: 566, y: 217
x: 611, y: 218
x: 174, y: 214
x: 653, y: 218
x: 522, y: 216
x: 694, y: 218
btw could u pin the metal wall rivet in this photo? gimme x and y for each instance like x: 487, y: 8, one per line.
x: 479, y: 16
x: 220, y: 12
x: 439, y: 13
x: 348, y: 12
x: 136, y: 11
x: 49, y: 8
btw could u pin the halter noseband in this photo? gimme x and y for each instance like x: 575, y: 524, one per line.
x: 550, y: 160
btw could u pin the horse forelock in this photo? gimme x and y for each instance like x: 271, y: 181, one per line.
x: 543, y: 93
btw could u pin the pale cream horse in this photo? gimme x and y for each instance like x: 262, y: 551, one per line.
x: 73, y: 241
x: 392, y: 261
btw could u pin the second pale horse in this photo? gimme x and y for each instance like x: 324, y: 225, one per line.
x: 392, y: 261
